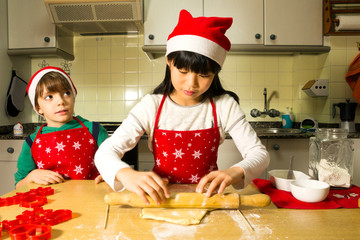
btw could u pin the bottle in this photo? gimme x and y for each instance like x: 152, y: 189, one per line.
x: 286, y: 119
x: 18, y: 130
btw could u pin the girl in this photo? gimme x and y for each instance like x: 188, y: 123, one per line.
x: 65, y: 146
x: 185, y: 120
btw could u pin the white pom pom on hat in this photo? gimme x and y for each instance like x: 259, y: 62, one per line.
x: 31, y: 88
x: 203, y: 35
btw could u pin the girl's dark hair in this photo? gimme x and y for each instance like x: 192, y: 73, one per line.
x: 53, y: 82
x: 196, y: 63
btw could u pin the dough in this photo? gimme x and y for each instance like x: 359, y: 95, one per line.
x: 183, y: 216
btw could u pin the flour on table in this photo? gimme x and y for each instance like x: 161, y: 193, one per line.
x: 164, y: 231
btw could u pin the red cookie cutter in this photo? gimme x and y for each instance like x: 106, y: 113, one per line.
x: 39, y: 216
x: 33, y: 198
x: 31, y: 232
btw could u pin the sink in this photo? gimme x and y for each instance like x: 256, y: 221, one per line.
x: 278, y: 131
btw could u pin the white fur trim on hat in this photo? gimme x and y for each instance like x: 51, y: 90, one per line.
x: 197, y: 44
x: 38, y: 75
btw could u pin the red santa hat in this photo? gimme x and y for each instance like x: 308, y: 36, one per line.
x: 203, y: 35
x: 31, y: 88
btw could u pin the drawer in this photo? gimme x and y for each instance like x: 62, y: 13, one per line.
x: 10, y: 149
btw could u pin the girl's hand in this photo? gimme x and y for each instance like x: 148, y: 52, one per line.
x: 44, y: 177
x: 219, y: 180
x: 98, y: 179
x: 144, y: 183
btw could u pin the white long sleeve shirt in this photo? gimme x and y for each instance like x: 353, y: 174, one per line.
x: 141, y: 119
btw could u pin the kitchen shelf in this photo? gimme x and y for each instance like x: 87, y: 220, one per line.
x: 347, y: 7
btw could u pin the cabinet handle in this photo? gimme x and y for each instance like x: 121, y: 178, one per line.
x: 276, y: 146
x: 258, y: 36
x: 151, y: 37
x: 10, y: 150
x: 47, y: 39
x: 272, y: 36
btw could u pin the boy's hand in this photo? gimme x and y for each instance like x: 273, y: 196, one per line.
x: 144, y: 183
x: 219, y: 180
x: 45, y: 177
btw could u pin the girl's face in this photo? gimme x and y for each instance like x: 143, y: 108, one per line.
x: 188, y: 86
x: 56, y: 107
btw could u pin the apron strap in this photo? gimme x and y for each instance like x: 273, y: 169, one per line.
x: 214, y: 112
x: 159, y: 111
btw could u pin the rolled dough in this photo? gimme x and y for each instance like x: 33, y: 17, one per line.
x: 183, y: 216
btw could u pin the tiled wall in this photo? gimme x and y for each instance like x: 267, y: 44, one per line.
x: 112, y: 73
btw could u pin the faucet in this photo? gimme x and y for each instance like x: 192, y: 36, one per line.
x: 272, y: 112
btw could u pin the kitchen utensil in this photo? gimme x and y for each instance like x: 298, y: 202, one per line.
x: 290, y: 174
x: 308, y: 190
x: 309, y: 124
x: 279, y: 180
x: 191, y: 200
x: 347, y: 114
x: 331, y: 157
x: 31, y: 231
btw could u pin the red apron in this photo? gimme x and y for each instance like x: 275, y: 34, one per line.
x: 185, y: 156
x: 70, y: 152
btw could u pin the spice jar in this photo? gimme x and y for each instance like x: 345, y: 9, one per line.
x: 331, y: 157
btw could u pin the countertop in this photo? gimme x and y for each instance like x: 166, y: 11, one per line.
x: 85, y: 199
x: 29, y: 128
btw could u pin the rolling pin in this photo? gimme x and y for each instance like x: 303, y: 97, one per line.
x: 190, y: 200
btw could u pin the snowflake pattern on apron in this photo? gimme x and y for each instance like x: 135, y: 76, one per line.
x: 70, y: 152
x: 185, y: 156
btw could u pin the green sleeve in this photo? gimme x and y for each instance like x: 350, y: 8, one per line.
x: 25, y: 163
x: 103, y: 135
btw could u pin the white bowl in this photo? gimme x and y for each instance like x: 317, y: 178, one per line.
x: 278, y: 178
x: 309, y: 190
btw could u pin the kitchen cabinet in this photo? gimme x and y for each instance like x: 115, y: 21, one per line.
x: 281, y: 150
x: 31, y: 33
x: 275, y: 22
x: 9, y: 153
x: 258, y: 26
x: 157, y: 27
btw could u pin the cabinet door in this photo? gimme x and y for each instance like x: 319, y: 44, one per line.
x: 29, y: 25
x: 247, y: 27
x: 160, y: 18
x: 282, y: 149
x: 293, y: 22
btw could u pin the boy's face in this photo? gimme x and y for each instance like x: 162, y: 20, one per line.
x: 56, y: 107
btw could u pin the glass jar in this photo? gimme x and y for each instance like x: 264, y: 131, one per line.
x: 331, y: 157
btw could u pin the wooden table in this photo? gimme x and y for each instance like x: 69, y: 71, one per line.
x: 85, y: 199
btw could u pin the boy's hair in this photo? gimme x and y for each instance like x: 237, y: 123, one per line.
x: 196, y: 63
x: 53, y: 82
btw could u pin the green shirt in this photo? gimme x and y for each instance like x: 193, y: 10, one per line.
x: 26, y: 162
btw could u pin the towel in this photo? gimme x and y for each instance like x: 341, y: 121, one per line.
x: 353, y: 76
x: 337, y: 198
x: 16, y: 94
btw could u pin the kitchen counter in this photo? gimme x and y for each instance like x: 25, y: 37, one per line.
x: 29, y: 128
x: 85, y: 199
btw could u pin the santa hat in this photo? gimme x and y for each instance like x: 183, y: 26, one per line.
x: 31, y: 88
x: 203, y: 35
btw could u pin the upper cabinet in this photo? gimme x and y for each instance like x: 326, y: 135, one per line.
x: 31, y: 33
x: 158, y: 26
x: 259, y: 25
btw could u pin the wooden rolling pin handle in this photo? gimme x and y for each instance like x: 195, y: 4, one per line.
x: 255, y: 200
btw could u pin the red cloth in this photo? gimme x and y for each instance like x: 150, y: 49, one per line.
x: 353, y: 77
x: 337, y: 198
